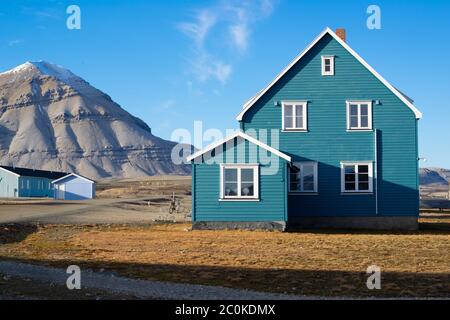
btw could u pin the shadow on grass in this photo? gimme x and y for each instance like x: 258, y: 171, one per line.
x: 425, y: 228
x: 15, y: 233
x: 324, y: 283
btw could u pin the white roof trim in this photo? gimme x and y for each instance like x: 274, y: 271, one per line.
x: 244, y: 136
x: 72, y: 174
x: 17, y: 175
x: 252, y: 101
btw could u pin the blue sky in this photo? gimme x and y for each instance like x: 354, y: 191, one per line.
x: 174, y: 62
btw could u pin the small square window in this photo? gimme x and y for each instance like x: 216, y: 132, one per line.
x: 328, y: 65
x: 239, y: 181
x: 294, y: 116
x: 357, y: 177
x: 359, y: 115
x: 303, y: 177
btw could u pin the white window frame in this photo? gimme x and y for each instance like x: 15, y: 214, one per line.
x: 316, y: 171
x: 357, y: 164
x: 369, y: 111
x: 239, y: 197
x: 295, y: 105
x: 331, y: 72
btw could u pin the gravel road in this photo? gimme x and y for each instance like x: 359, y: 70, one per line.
x: 145, y: 289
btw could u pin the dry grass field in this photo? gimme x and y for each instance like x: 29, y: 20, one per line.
x: 134, y: 242
x: 322, y: 263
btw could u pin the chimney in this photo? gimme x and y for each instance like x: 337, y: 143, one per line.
x: 340, y: 32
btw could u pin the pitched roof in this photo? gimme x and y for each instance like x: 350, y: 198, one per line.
x: 401, y: 96
x: 243, y: 136
x: 73, y: 175
x: 35, y: 173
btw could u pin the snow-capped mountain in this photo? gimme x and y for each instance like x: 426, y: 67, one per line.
x: 52, y: 119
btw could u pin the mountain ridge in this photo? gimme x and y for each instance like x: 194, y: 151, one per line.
x: 52, y: 119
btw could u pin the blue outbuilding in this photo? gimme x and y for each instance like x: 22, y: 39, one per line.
x: 18, y: 182
x: 74, y: 187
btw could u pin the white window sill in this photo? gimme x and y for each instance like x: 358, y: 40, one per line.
x: 239, y: 200
x: 293, y: 193
x: 294, y: 130
x: 359, y: 130
x: 356, y: 193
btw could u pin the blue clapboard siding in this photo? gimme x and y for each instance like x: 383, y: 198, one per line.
x: 35, y: 187
x: 206, y: 187
x: 329, y: 143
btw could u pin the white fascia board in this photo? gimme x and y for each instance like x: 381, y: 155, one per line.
x: 243, y: 136
x: 13, y: 173
x: 252, y: 101
x: 74, y: 175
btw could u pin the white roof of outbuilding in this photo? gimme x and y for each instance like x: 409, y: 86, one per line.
x: 74, y: 175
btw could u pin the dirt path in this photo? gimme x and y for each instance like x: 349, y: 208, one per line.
x: 99, y: 211
x: 116, y: 285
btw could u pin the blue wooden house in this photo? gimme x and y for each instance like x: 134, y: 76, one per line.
x: 18, y: 182
x: 328, y: 143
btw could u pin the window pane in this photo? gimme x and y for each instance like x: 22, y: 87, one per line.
x: 230, y: 175
x: 247, y: 175
x: 247, y: 189
x: 308, y: 173
x: 363, y: 177
x: 288, y: 110
x: 299, y: 116
x: 299, y: 122
x: 363, y: 169
x: 288, y: 122
x: 364, y: 110
x: 353, y: 109
x: 294, y: 177
x: 308, y: 186
x: 349, y: 186
x: 327, y: 68
x: 349, y: 169
x: 364, y: 121
x: 363, y: 186
x: 353, y: 122
x: 231, y: 189
x: 350, y: 177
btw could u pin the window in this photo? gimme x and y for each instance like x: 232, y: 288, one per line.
x: 356, y: 177
x: 303, y: 177
x: 359, y: 115
x: 239, y: 181
x: 328, y: 65
x: 295, y: 117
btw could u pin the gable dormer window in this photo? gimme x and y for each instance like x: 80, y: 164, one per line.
x: 328, y: 65
x: 294, y: 116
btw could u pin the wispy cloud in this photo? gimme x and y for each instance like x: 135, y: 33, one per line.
x: 229, y: 23
x: 14, y: 42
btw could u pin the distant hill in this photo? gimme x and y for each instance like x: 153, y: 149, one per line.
x: 51, y: 119
x: 434, y: 176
